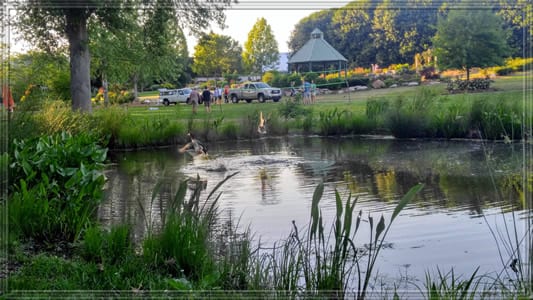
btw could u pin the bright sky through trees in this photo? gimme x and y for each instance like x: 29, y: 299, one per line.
x: 281, y: 16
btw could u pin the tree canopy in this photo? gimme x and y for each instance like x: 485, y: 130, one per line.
x: 470, y: 38
x: 390, y: 32
x: 261, y: 48
x: 51, y: 23
x: 216, y: 54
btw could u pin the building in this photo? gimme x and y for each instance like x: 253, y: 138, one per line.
x: 317, y: 55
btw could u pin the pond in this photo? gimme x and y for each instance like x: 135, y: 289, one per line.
x: 469, y: 193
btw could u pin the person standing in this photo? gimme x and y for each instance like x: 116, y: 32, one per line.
x: 226, y: 93
x: 313, y: 92
x: 217, y: 95
x: 307, y: 92
x: 194, y: 97
x: 7, y: 98
x: 206, y: 96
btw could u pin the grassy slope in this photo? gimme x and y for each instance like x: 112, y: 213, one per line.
x: 354, y: 102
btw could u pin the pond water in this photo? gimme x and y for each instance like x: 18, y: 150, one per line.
x: 468, y: 191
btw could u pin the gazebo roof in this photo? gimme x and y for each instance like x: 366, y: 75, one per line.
x: 316, y: 50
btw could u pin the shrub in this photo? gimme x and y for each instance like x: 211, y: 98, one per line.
x: 292, y: 108
x: 58, y: 184
x: 429, y: 73
x: 468, y: 85
x: 353, y: 81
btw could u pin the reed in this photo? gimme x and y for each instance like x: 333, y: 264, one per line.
x: 321, y: 264
x: 449, y: 286
x: 183, y: 246
x: 333, y: 122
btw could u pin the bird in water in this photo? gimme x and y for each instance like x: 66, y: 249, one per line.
x: 195, y: 145
x: 262, y: 124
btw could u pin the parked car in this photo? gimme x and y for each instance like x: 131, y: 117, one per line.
x: 255, y: 90
x: 176, y: 96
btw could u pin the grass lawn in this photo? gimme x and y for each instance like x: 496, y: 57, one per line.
x: 353, y: 102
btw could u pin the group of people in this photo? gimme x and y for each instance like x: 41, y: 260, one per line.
x: 207, y: 97
x: 309, y: 92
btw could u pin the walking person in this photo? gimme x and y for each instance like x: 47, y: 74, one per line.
x: 194, y: 98
x: 206, y: 96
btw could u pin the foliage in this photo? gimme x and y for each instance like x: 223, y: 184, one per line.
x: 216, y: 54
x: 468, y: 85
x: 333, y: 122
x: 57, y: 186
x: 323, y: 264
x: 383, y: 32
x: 260, y: 49
x: 183, y: 246
x: 47, y: 23
x: 158, y: 131
x: 470, y: 38
x: 497, y: 119
x: 37, y: 75
x: 36, y: 117
x: 448, y: 286
x: 107, y: 247
x: 292, y: 107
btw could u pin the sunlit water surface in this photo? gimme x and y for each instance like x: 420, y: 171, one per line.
x: 468, y: 190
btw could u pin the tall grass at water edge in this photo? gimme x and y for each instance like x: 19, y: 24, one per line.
x: 56, y: 186
x: 188, y: 253
x: 427, y: 114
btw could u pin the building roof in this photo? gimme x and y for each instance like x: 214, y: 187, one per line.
x: 316, y: 50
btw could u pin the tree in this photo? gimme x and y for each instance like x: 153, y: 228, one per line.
x: 47, y: 22
x: 116, y: 55
x: 216, y: 54
x: 354, y: 27
x: 470, y: 38
x: 385, y: 35
x: 36, y: 70
x: 261, y: 48
x: 302, y: 31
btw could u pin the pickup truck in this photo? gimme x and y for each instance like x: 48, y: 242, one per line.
x: 255, y: 90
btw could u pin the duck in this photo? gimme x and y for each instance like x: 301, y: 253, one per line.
x: 195, y: 144
x: 261, y: 128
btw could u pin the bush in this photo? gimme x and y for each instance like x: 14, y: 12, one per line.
x: 353, y: 81
x: 429, y: 73
x: 291, y: 108
x: 468, y: 85
x: 57, y: 185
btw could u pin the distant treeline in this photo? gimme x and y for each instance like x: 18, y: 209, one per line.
x: 392, y: 32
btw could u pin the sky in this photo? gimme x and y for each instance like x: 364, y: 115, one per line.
x: 282, y: 16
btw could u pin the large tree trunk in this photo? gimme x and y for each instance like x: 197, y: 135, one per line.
x: 80, y: 61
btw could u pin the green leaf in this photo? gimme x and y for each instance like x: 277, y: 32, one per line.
x: 317, y: 195
x: 379, y: 228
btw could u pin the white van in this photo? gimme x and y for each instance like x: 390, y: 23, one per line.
x: 167, y: 97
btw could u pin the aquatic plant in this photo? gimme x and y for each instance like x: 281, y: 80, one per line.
x: 57, y: 186
x: 333, y: 122
x: 319, y: 264
x: 183, y: 245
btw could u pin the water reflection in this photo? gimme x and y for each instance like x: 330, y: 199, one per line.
x: 277, y: 178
